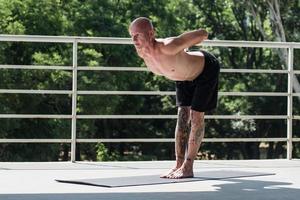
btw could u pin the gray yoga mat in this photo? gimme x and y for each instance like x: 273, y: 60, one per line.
x: 155, y: 179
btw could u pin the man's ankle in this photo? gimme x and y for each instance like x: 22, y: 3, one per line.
x: 179, y: 161
x: 188, y: 162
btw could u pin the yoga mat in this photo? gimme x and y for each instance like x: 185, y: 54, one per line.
x: 155, y: 179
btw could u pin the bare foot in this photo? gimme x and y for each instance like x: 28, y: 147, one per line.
x: 171, y: 171
x: 178, y: 164
x: 182, y: 172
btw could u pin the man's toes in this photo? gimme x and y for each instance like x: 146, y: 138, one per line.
x: 171, y: 175
x: 180, y: 173
x: 166, y: 175
x: 163, y: 175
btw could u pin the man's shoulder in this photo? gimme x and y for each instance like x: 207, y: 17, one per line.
x: 162, y: 43
x: 165, y: 45
x: 159, y: 44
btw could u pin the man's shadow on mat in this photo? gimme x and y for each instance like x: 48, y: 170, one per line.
x: 229, y: 189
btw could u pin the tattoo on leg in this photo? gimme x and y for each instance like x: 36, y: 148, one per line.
x: 198, y: 128
x: 183, y: 120
x: 182, y: 132
x: 199, y: 134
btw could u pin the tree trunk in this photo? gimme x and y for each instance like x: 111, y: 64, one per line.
x: 278, y: 29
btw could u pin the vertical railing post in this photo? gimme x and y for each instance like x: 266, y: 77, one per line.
x: 290, y: 103
x: 74, y: 102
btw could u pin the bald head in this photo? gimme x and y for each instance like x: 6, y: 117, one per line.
x: 141, y: 23
x: 142, y: 32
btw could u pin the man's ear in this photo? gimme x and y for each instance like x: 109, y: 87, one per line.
x: 152, y: 33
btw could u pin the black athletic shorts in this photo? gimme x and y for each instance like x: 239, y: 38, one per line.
x: 201, y: 93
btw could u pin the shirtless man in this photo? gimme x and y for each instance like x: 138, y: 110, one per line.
x: 196, y: 76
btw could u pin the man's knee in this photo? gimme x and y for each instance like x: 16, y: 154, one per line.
x: 184, y: 113
x: 197, y: 118
x: 183, y: 118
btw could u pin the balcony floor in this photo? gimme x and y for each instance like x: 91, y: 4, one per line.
x: 21, y: 180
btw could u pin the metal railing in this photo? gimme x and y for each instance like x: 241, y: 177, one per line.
x: 101, y: 40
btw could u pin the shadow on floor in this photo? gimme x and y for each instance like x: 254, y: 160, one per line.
x: 233, y: 189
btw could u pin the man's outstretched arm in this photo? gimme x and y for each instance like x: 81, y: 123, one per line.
x: 176, y: 44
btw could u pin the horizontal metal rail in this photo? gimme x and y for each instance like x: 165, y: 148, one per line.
x: 64, y: 39
x: 296, y: 94
x: 35, y: 140
x: 79, y: 92
x: 38, y: 67
x: 35, y: 116
x: 137, y: 69
x: 143, y: 140
x: 134, y: 69
x: 296, y: 117
x: 115, y: 40
x: 273, y: 94
x: 173, y: 140
x: 174, y: 93
x: 24, y: 91
x: 260, y: 71
x: 52, y: 116
x: 175, y: 117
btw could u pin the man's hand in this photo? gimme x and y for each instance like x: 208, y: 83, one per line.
x: 204, y: 33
